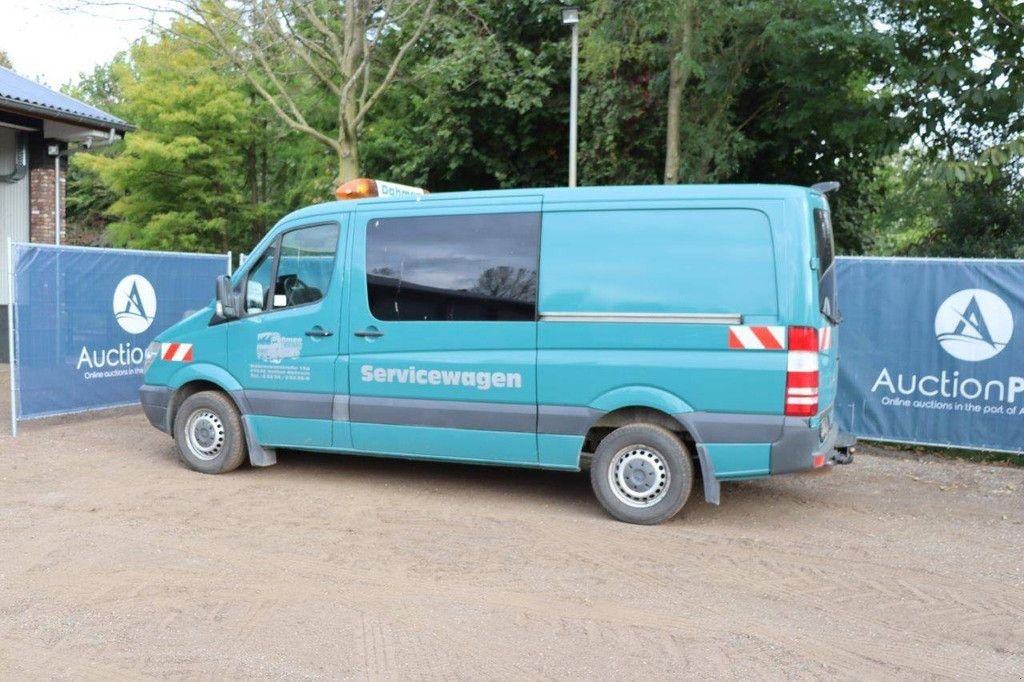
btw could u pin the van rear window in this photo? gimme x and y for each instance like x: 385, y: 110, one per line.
x: 826, y: 258
x: 823, y: 236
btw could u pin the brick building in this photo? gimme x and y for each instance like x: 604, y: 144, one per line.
x: 38, y: 129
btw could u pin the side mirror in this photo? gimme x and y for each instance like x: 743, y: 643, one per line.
x: 228, y: 302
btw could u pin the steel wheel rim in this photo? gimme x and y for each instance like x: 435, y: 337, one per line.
x: 639, y: 476
x: 205, y: 433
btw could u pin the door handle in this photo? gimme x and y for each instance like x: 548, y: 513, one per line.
x: 371, y: 333
x: 319, y: 331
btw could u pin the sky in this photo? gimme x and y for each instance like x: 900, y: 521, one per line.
x: 52, y: 41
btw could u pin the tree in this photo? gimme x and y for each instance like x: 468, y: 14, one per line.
x: 960, y: 81
x: 913, y: 211
x: 300, y: 55
x: 176, y: 179
x: 710, y: 74
x: 506, y: 282
x: 5, y: 61
x: 483, y: 105
x: 88, y: 199
x: 757, y: 91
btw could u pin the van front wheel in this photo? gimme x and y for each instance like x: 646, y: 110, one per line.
x: 642, y: 473
x: 208, y: 431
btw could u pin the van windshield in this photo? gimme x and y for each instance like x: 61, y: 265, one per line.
x: 826, y: 263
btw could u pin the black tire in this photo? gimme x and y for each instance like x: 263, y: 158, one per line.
x: 217, y: 442
x: 656, y: 474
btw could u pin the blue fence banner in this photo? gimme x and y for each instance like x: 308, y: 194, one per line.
x: 84, y: 316
x: 929, y: 353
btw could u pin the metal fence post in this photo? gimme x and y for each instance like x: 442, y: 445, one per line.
x: 11, y: 299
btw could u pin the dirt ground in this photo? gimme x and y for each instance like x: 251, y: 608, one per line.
x: 117, y: 562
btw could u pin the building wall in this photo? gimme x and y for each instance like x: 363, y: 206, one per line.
x: 14, y: 208
x: 41, y: 174
x: 26, y: 209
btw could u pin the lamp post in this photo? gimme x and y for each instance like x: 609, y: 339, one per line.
x: 571, y: 17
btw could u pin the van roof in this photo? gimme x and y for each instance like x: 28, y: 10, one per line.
x: 556, y: 195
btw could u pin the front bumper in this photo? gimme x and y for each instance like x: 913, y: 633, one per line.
x: 155, y: 403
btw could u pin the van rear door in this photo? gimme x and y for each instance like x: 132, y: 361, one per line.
x: 828, y: 306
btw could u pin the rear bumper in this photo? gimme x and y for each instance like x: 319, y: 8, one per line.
x: 155, y: 402
x: 802, y: 447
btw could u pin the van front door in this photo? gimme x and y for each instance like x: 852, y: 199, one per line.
x: 443, y: 325
x: 285, y: 347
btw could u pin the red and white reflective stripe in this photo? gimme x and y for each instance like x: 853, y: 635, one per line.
x: 825, y: 338
x: 802, y: 372
x: 176, y: 352
x: 757, y: 338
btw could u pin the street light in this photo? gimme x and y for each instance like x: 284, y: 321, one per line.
x: 571, y: 17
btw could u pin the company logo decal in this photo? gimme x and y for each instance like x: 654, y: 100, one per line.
x: 134, y: 304
x: 272, y: 347
x: 973, y: 325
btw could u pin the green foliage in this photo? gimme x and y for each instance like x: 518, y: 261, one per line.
x: 482, y: 106
x: 210, y: 168
x: 102, y: 87
x: 915, y: 106
x: 775, y: 92
x: 960, y: 82
x: 916, y: 211
x: 5, y: 61
x: 88, y: 198
x: 176, y: 180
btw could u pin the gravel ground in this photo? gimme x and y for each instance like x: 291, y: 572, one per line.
x: 116, y: 561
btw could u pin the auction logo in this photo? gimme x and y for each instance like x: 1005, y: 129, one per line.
x: 134, y: 304
x: 973, y: 325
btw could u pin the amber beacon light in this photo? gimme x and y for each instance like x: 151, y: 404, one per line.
x: 366, y: 188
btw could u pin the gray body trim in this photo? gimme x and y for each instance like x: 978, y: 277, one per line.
x: 657, y: 318
x: 339, y: 410
x: 715, y: 427
x: 705, y: 427
x: 566, y: 420
x: 290, y: 404
x: 450, y: 414
x: 155, y: 401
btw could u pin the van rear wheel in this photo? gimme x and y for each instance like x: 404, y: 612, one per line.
x: 208, y: 431
x: 642, y: 473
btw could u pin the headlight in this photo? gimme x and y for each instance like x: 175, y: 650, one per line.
x: 152, y: 352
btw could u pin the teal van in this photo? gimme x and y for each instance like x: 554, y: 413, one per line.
x: 655, y: 334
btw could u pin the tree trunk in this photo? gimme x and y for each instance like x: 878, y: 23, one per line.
x: 348, y: 161
x: 681, y: 54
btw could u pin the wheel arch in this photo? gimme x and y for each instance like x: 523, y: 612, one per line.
x: 646, y: 404
x: 189, y: 389
x: 194, y: 378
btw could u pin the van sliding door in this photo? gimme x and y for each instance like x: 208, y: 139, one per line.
x: 443, y: 323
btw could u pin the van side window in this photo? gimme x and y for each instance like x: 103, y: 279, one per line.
x: 257, y: 283
x: 453, y: 268
x: 302, y: 272
x: 306, y: 264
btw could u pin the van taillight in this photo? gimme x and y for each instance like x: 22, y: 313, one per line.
x: 802, y: 373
